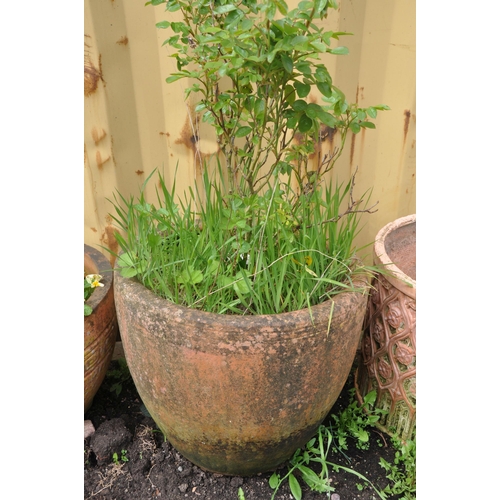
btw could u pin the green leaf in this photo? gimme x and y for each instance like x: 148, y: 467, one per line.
x: 289, y: 94
x: 153, y: 239
x: 128, y: 272
x: 213, y: 267
x: 287, y: 63
x: 367, y: 125
x: 303, y: 89
x: 313, y: 110
x: 372, y: 112
x: 382, y: 107
x: 224, y: 9
x: 274, y: 481
x: 190, y: 276
x: 291, y: 123
x: 241, y: 285
x: 306, y: 5
x: 303, y: 67
x: 87, y: 310
x: 297, y: 40
x: 354, y: 126
x: 328, y: 119
x: 299, y: 105
x: 324, y: 88
x: 243, y: 131
x: 305, y: 123
x: 370, y: 398
x: 294, y: 487
x: 319, y: 46
x: 163, y: 24
x: 340, y: 51
x: 282, y: 6
x: 174, y: 78
x: 126, y: 264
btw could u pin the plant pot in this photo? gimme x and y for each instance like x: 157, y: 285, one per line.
x: 101, y: 326
x: 389, y: 363
x: 237, y: 394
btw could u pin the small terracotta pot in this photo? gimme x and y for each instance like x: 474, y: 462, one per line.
x: 237, y: 394
x: 101, y: 326
x: 389, y: 363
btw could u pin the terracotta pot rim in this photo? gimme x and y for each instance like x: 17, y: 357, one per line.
x: 396, y: 274
x: 103, y: 268
x: 234, y: 321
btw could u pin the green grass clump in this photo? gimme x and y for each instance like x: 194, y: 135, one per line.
x: 230, y: 253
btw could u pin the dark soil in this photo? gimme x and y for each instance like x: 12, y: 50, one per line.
x: 154, y: 469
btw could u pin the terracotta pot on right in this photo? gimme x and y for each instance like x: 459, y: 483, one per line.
x: 389, y: 363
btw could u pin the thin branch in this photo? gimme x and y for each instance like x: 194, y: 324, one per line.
x: 352, y: 204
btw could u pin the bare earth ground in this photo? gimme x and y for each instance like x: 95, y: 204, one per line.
x: 151, y: 468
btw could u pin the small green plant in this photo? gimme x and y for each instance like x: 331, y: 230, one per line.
x: 241, y: 494
x: 122, y: 458
x: 241, y: 255
x: 355, y: 421
x: 118, y: 376
x: 90, y: 283
x: 315, y: 451
x: 402, y: 474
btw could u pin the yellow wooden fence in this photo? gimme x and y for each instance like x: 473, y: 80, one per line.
x: 136, y: 122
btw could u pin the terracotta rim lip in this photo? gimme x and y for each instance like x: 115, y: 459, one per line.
x: 383, y: 258
x: 205, y: 317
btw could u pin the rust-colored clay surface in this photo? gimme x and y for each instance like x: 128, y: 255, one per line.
x: 237, y: 394
x: 101, y: 326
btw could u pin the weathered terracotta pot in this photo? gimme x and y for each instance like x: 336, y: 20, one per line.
x: 389, y: 363
x: 101, y: 326
x: 237, y: 394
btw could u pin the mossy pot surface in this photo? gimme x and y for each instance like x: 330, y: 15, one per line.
x: 101, y: 327
x: 236, y: 394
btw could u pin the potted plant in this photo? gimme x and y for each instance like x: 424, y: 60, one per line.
x: 389, y: 358
x: 240, y: 303
x: 100, y: 323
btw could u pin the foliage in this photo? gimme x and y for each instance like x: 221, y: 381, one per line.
x: 353, y: 422
x: 252, y: 254
x: 263, y: 232
x: 253, y: 64
x: 90, y: 283
x: 403, y: 472
x: 122, y: 457
x: 118, y: 376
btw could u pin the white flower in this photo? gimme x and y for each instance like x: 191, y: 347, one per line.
x: 94, y: 280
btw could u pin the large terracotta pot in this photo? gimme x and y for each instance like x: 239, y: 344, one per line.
x: 389, y: 363
x: 237, y: 394
x: 101, y: 326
